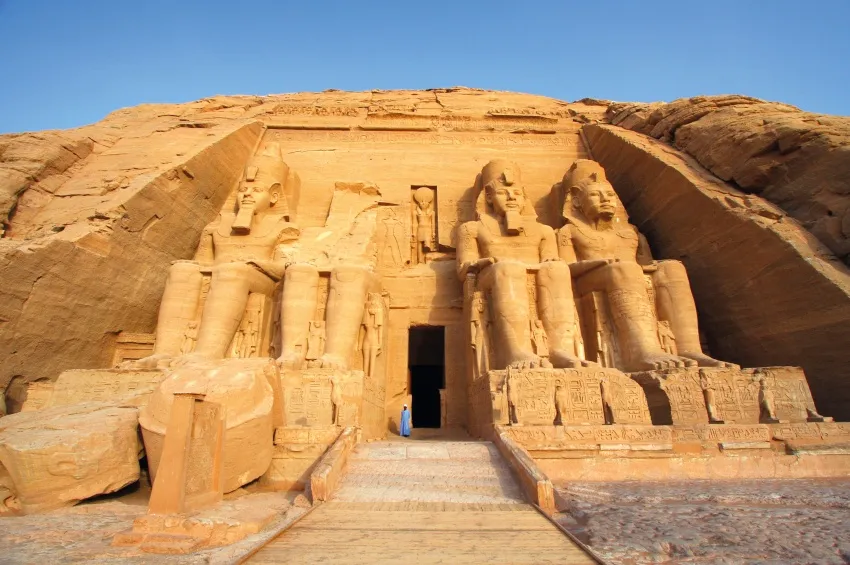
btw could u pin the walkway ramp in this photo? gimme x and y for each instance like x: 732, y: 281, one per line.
x: 424, y: 502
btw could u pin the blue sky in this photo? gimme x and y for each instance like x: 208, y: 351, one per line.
x: 66, y: 63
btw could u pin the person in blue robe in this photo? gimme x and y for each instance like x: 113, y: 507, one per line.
x: 405, y: 422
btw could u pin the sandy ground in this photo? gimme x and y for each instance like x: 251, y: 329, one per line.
x: 712, y: 522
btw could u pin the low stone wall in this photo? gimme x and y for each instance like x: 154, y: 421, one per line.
x: 328, y: 471
x: 537, y: 486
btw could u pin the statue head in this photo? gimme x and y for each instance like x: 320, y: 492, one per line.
x: 502, y: 186
x: 590, y: 192
x: 261, y: 186
x: 423, y: 196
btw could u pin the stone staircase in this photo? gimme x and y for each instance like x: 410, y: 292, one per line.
x: 424, y: 502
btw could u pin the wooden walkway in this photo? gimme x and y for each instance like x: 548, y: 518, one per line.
x: 424, y: 502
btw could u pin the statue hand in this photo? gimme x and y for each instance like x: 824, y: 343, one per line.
x: 651, y: 268
x: 484, y: 262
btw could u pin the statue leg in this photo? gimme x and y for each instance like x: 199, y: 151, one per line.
x: 297, y: 308
x: 231, y: 283
x: 505, y: 282
x: 346, y: 301
x: 675, y: 303
x: 178, y: 307
x: 557, y: 311
x: 633, y: 316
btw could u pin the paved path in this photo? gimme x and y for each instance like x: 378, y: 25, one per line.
x: 424, y: 502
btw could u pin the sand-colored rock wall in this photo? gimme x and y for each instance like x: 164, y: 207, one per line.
x: 797, y: 160
x: 768, y: 292
x: 85, y: 262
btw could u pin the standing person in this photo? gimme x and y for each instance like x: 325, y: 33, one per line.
x: 405, y: 422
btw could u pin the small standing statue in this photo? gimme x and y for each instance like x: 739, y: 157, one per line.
x: 539, y: 339
x: 513, y: 395
x: 189, y: 338
x: 424, y: 198
x: 767, y: 404
x: 708, y: 394
x: 561, y: 404
x: 666, y: 337
x: 336, y: 398
x: 373, y: 334
x: 477, y: 333
x: 607, y: 401
x: 315, y: 340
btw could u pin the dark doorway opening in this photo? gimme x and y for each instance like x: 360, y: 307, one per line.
x: 426, y: 363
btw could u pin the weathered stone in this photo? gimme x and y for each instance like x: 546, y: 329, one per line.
x: 59, y: 456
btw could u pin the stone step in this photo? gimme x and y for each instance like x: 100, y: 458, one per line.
x: 424, y: 502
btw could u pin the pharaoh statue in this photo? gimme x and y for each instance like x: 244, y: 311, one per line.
x: 243, y: 250
x: 500, y: 249
x: 606, y: 254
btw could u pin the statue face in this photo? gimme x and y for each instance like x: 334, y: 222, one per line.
x: 598, y: 200
x: 258, y: 194
x: 505, y: 197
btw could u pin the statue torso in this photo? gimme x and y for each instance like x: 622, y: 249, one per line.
x: 524, y: 247
x: 266, y: 232
x: 589, y: 243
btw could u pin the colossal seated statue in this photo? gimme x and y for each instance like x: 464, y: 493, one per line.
x: 245, y: 252
x: 610, y: 256
x: 500, y: 249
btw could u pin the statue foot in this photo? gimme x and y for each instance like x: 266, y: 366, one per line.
x: 704, y: 360
x: 187, y: 359
x: 149, y: 363
x: 659, y: 361
x: 290, y: 361
x: 563, y: 360
x: 525, y: 360
x: 329, y: 361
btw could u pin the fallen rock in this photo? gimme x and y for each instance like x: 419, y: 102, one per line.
x: 60, y: 456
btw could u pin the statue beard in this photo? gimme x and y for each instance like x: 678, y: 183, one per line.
x: 244, y: 219
x: 513, y: 222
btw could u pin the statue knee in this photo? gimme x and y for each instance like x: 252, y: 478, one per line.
x: 231, y: 272
x: 348, y: 273
x: 182, y: 270
x: 671, y: 271
x: 301, y: 273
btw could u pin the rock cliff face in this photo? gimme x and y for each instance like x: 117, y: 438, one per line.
x: 797, y: 160
x: 94, y: 216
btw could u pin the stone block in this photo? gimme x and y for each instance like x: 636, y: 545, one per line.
x: 60, y: 456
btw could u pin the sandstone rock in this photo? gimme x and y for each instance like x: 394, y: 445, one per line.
x: 798, y: 160
x: 59, y: 456
x: 240, y: 386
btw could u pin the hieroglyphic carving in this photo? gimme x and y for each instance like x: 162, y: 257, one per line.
x: 94, y: 385
x: 309, y: 397
x: 725, y: 433
x: 554, y: 438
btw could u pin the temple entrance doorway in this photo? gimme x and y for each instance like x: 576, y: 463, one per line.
x: 426, y: 366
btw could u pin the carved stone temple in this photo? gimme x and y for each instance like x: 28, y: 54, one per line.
x: 236, y: 291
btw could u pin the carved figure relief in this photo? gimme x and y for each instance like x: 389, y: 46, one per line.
x: 425, y: 239
x: 539, y: 339
x: 391, y: 235
x: 708, y: 395
x: 190, y: 338
x: 478, y: 336
x: 607, y: 400
x: 767, y: 402
x: 315, y: 340
x: 608, y: 255
x: 666, y: 337
x: 373, y: 332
